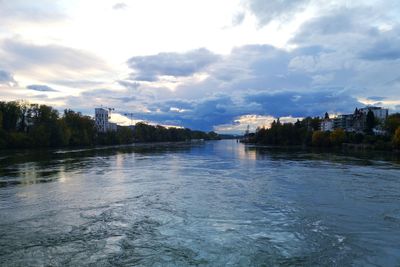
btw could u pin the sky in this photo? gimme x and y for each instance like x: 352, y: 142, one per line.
x: 203, y: 64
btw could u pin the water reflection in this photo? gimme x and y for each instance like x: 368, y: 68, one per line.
x: 338, y: 155
x: 31, y: 167
x: 218, y: 203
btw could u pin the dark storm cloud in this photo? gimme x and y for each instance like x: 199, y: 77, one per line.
x: 201, y: 114
x: 148, y: 68
x: 41, y: 88
x: 205, y: 113
x: 302, y: 104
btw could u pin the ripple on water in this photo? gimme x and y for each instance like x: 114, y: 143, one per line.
x: 213, y: 205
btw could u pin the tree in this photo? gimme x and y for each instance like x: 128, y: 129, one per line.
x: 11, y: 114
x: 392, y: 123
x: 396, y: 138
x: 45, y: 131
x: 326, y: 116
x: 320, y: 139
x: 370, y: 121
x: 337, y: 137
x: 82, y: 129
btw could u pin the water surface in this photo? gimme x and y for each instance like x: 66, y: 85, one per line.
x: 212, y: 204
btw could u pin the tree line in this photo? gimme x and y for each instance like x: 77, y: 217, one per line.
x: 307, y: 132
x: 25, y: 125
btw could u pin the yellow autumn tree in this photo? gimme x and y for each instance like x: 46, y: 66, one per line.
x: 320, y: 139
x: 337, y: 137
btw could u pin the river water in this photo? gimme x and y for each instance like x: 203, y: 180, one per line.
x: 210, y: 204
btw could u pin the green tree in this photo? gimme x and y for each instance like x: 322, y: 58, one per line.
x: 11, y: 114
x: 125, y: 135
x: 370, y: 121
x: 45, y: 131
x: 82, y: 130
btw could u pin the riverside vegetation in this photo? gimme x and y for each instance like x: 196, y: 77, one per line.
x: 24, y: 125
x: 307, y: 132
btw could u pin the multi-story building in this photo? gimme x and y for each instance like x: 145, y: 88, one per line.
x: 327, y: 125
x: 343, y: 122
x: 355, y: 122
x: 379, y: 113
x: 102, y: 116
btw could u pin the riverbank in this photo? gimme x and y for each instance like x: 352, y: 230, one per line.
x: 379, y: 146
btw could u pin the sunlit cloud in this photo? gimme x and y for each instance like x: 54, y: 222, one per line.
x: 250, y: 122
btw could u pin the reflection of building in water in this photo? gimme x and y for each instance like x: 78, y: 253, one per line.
x: 102, y: 116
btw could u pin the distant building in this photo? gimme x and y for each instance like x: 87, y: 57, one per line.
x: 102, y: 116
x: 343, y: 121
x: 355, y: 122
x: 379, y: 113
x: 327, y: 125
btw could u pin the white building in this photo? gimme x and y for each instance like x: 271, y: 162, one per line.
x: 102, y: 116
x: 327, y: 125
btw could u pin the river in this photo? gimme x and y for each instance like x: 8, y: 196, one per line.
x: 217, y: 203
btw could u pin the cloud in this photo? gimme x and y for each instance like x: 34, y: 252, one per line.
x: 238, y: 18
x: 267, y: 11
x: 338, y: 21
x: 266, y: 81
x: 376, y: 98
x: 150, y: 68
x: 303, y: 104
x: 119, y: 6
x: 53, y: 61
x: 129, y: 84
x: 383, y: 50
x: 221, y: 112
x: 240, y: 124
x: 341, y: 54
x: 7, y: 78
x: 20, y: 11
x: 77, y: 83
x: 41, y: 88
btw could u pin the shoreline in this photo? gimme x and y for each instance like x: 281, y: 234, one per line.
x: 344, y: 147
